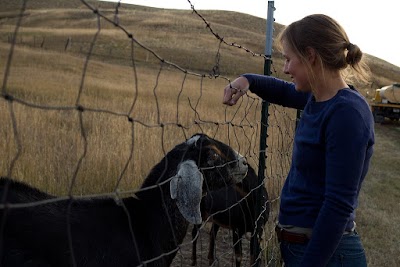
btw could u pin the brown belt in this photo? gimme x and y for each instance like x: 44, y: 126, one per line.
x: 290, y: 237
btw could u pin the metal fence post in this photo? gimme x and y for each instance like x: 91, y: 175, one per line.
x: 264, y: 123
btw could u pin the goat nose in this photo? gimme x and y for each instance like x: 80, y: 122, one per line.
x: 242, y: 161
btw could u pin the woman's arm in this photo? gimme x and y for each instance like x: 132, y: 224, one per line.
x: 277, y: 91
x: 271, y: 89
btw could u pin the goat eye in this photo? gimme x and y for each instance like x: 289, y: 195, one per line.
x: 214, y: 156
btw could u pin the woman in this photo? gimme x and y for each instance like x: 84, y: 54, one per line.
x: 332, y: 147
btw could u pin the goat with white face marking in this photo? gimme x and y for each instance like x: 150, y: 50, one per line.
x: 129, y: 232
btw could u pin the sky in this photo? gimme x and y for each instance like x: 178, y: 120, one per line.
x: 372, y: 25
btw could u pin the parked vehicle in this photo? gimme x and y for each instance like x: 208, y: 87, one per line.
x: 386, y: 103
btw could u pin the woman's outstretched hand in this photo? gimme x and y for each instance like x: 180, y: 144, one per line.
x: 235, y: 90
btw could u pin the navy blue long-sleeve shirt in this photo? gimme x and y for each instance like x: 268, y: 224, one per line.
x: 333, y: 145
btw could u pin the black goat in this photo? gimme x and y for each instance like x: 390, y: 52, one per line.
x: 145, y: 229
x: 233, y: 207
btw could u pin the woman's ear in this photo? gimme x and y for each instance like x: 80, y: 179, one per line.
x: 311, y: 55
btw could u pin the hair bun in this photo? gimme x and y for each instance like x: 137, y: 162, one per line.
x: 354, y: 54
x: 350, y: 46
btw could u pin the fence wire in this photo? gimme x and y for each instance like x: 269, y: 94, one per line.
x: 94, y: 94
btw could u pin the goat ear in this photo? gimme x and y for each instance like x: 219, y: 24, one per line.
x: 186, y: 188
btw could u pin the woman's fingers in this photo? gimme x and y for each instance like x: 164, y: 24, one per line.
x: 229, y: 93
x: 235, y: 90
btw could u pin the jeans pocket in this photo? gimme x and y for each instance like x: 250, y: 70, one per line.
x: 348, y: 260
x: 350, y: 253
x: 292, y: 254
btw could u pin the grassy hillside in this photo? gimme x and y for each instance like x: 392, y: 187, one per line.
x: 176, y: 35
x: 53, y: 71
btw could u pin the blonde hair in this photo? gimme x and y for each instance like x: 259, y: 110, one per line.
x: 331, y: 43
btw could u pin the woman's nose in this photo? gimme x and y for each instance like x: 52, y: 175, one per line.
x: 285, y: 69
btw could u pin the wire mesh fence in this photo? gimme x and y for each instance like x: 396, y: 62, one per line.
x: 95, y: 94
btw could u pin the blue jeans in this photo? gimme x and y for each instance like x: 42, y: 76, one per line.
x: 350, y: 253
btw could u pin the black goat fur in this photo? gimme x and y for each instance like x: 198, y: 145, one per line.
x: 105, y: 231
x: 234, y: 207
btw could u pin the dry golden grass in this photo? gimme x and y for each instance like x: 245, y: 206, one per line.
x: 54, y: 136
x: 379, y: 211
x: 52, y: 141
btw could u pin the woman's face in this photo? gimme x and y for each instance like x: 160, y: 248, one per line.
x: 296, y: 69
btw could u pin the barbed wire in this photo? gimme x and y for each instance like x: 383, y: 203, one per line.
x: 221, y: 39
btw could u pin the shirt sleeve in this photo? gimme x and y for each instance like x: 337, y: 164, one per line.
x: 347, y: 138
x: 276, y: 91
